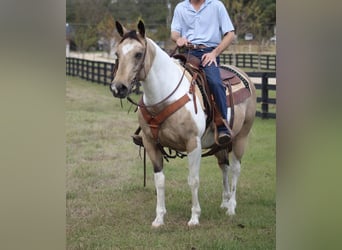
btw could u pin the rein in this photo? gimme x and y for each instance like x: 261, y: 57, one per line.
x: 160, y: 102
x: 142, y: 66
x: 135, y: 81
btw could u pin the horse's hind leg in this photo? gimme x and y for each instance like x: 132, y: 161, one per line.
x: 233, y: 169
x: 229, y: 194
x: 222, y: 158
x: 239, y: 145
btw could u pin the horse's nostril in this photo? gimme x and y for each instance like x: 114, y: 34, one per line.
x: 119, y: 90
x: 113, y: 89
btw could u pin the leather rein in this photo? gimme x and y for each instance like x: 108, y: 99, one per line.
x: 135, y: 82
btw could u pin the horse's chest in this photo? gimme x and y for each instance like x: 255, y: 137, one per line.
x: 175, y: 132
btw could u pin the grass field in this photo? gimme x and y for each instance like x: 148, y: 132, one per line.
x: 108, y: 207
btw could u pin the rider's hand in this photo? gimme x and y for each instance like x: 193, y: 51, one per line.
x: 182, y: 41
x: 208, y: 59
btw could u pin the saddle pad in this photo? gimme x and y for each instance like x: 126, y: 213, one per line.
x: 239, y: 90
x: 240, y: 93
x: 228, y: 75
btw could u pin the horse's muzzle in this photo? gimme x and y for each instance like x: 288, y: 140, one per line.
x: 119, y: 90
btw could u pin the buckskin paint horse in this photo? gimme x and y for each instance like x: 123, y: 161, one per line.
x: 185, y: 130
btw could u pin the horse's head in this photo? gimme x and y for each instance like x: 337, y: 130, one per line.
x: 130, y: 52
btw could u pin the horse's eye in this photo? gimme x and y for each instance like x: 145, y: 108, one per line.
x: 138, y: 55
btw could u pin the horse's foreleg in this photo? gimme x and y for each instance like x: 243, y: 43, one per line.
x: 194, y: 158
x: 159, y: 181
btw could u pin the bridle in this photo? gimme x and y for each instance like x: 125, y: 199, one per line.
x: 135, y: 80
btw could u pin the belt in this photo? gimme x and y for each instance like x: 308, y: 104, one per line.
x: 199, y: 46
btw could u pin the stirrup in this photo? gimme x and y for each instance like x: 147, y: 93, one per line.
x: 224, y: 139
x: 137, y: 139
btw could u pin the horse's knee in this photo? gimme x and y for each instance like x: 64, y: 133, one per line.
x: 193, y: 181
x: 157, y: 166
x: 157, y: 169
x: 159, y: 180
x: 236, y: 169
x: 236, y: 164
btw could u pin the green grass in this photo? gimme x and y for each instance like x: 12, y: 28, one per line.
x: 108, y: 207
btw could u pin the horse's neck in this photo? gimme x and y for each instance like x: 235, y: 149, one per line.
x: 163, y: 78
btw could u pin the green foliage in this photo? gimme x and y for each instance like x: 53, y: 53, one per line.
x: 256, y: 16
x: 106, y: 29
x: 85, y: 37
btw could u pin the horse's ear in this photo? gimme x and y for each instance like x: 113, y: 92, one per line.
x: 120, y: 28
x: 141, y: 28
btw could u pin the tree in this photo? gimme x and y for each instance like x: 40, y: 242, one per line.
x: 84, y: 15
x: 245, y: 15
x: 255, y: 16
x: 85, y: 37
x: 106, y: 30
x: 252, y: 16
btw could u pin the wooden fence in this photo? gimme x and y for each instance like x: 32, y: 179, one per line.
x: 252, y: 61
x: 102, y: 73
x: 265, y: 88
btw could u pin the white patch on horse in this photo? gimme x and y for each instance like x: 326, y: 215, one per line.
x: 127, y: 48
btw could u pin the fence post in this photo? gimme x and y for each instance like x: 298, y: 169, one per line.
x: 77, y: 67
x: 112, y: 72
x: 93, y: 71
x: 82, y: 69
x: 73, y: 67
x: 87, y: 70
x: 105, y: 73
x: 70, y: 66
x: 264, y: 96
x: 98, y: 77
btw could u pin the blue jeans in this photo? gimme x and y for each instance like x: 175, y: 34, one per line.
x: 215, y: 83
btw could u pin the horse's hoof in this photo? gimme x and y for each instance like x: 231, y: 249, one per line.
x: 230, y: 212
x: 224, y: 205
x: 193, y: 223
x: 231, y: 207
x: 157, y: 223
